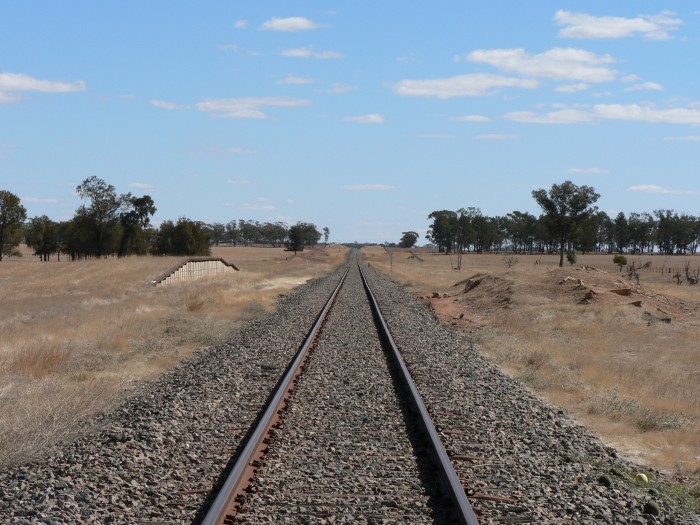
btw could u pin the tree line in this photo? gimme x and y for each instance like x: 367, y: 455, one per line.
x: 569, y: 223
x: 112, y: 224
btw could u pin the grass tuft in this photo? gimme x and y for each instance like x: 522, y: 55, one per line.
x: 560, y: 331
x: 77, y: 335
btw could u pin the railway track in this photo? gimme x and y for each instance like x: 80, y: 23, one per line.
x: 348, y: 449
x: 344, y: 444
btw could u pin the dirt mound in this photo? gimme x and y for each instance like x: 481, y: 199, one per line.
x: 489, y: 289
x: 473, y: 302
x: 592, y: 286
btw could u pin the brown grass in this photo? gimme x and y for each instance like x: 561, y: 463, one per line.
x: 75, y: 336
x: 631, y: 378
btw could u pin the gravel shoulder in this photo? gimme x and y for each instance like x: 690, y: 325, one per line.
x: 158, y: 456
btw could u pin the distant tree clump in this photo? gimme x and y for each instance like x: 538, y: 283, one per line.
x: 108, y: 223
x: 12, y: 217
x: 185, y: 237
x: 408, y: 239
x: 42, y: 234
x: 302, y: 234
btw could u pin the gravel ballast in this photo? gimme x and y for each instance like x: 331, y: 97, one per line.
x: 157, y: 458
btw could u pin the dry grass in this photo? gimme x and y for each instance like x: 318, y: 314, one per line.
x: 76, y: 335
x: 634, y: 380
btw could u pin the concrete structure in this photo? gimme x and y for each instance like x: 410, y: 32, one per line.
x: 194, y: 268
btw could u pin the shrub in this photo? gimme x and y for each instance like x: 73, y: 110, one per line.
x: 620, y: 260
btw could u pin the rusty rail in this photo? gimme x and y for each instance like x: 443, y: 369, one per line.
x: 449, y: 478
x: 226, y: 504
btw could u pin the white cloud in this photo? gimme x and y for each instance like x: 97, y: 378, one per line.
x: 22, y: 82
x: 164, y: 104
x: 557, y: 63
x: 340, y: 88
x: 367, y: 187
x: 308, y: 52
x: 629, y: 112
x: 293, y: 23
x: 564, y: 116
x: 6, y: 98
x: 262, y: 203
x: 637, y: 113
x: 478, y: 84
x: 644, y: 86
x: 372, y: 118
x: 241, y: 24
x: 688, y: 138
x: 585, y: 26
x: 141, y: 186
x: 247, y: 107
x: 295, y: 80
x: 589, y: 171
x: 571, y: 88
x: 238, y: 182
x: 258, y: 207
x: 630, y: 78
x: 496, y: 136
x: 471, y: 118
x: 653, y: 188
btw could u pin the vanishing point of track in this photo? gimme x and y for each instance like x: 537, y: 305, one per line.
x: 285, y: 465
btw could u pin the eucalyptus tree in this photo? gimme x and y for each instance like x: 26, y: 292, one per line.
x: 42, y: 234
x: 12, y: 217
x: 566, y: 205
x: 443, y: 229
x: 302, y: 234
x: 408, y: 239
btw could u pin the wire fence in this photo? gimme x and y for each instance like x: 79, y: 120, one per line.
x: 651, y: 269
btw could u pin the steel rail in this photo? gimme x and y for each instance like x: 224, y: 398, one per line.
x: 451, y: 483
x: 225, y: 506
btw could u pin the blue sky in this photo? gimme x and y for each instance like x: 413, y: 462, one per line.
x: 360, y: 116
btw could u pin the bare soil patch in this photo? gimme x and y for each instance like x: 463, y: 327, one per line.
x: 622, y: 357
x: 478, y: 299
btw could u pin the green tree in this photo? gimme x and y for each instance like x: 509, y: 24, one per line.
x: 12, y: 217
x: 443, y: 229
x: 302, y: 234
x: 97, y: 223
x: 326, y: 234
x: 185, y: 237
x: 641, y: 232
x: 233, y: 234
x: 42, y: 234
x: 620, y: 260
x: 520, y: 227
x: 565, y: 206
x: 274, y: 233
x: 217, y: 232
x: 408, y: 239
x: 134, y: 220
x: 621, y: 230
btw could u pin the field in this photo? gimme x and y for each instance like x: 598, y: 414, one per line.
x: 625, y: 363
x: 78, y: 336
